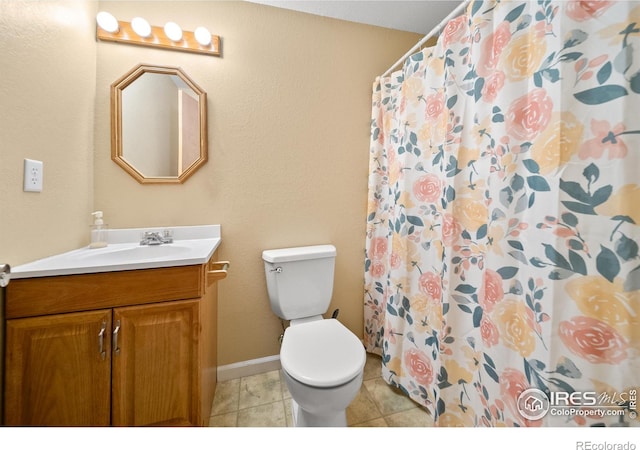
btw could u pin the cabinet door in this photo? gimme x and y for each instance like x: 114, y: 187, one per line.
x: 155, y: 364
x: 58, y: 370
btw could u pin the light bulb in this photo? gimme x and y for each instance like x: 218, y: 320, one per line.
x: 141, y: 27
x: 202, y: 36
x: 173, y: 31
x: 107, y: 22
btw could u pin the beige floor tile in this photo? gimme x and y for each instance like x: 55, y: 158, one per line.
x: 388, y: 399
x: 288, y: 411
x: 269, y: 415
x: 227, y: 397
x: 372, y: 367
x: 415, y: 417
x: 285, y: 391
x: 260, y: 389
x: 362, y: 408
x: 224, y: 420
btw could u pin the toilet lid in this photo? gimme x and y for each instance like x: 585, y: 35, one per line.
x: 321, y: 353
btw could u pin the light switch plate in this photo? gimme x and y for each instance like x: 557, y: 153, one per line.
x: 32, y: 175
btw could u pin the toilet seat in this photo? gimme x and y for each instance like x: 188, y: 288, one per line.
x: 322, y: 353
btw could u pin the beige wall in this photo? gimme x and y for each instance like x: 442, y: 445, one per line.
x: 47, y: 93
x: 289, y: 108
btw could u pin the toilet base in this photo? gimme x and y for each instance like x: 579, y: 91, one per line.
x: 302, y: 418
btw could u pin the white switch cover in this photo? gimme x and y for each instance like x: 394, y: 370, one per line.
x: 32, y: 175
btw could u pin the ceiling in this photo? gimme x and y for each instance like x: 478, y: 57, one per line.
x: 415, y: 16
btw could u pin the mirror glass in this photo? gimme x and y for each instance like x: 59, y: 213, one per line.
x: 158, y: 124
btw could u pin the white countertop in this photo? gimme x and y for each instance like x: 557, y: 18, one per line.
x: 191, y: 245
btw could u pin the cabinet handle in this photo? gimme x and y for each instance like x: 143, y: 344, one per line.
x: 103, y: 354
x: 116, y: 332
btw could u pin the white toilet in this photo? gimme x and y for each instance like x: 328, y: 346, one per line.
x: 322, y: 361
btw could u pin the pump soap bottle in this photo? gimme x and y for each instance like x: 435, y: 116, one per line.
x: 98, y: 231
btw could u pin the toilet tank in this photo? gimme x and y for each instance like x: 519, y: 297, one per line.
x: 300, y: 280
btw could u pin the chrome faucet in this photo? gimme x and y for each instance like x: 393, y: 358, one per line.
x: 154, y: 238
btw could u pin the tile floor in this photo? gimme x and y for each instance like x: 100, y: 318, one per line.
x: 264, y: 401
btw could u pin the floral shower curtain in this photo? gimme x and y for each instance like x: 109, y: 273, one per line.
x: 504, y: 204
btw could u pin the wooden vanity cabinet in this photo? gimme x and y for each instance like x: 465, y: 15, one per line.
x: 119, y: 348
x: 54, y: 373
x: 155, y: 371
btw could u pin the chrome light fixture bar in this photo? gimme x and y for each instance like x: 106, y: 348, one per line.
x: 169, y: 37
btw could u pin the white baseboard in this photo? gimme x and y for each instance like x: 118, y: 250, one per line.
x: 247, y: 368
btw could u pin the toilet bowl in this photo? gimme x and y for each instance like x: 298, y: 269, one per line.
x: 322, y: 360
x: 322, y: 364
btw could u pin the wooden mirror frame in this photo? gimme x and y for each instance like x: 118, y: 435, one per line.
x: 116, y: 123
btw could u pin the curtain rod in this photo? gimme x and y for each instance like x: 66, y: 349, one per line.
x: 431, y: 33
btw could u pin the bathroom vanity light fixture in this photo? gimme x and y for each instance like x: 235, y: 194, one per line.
x: 141, y: 27
x: 173, y: 31
x: 202, y: 36
x: 169, y: 37
x: 107, y: 22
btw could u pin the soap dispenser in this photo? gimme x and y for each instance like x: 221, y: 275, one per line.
x: 98, y: 231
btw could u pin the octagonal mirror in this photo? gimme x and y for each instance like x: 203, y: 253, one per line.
x: 158, y: 124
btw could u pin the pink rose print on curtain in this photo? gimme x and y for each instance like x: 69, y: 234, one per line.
x: 489, y: 332
x: 435, y: 106
x: 593, y: 340
x: 585, y: 10
x: 492, y: 86
x: 491, y: 291
x: 419, y: 366
x: 455, y: 30
x: 378, y: 254
x: 431, y: 285
x: 492, y: 48
x: 512, y: 384
x: 530, y: 114
x: 451, y: 229
x: 428, y: 188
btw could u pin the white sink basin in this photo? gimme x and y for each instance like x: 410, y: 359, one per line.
x: 141, y: 252
x: 191, y: 245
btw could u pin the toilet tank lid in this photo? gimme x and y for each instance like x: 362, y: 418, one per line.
x: 299, y: 253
